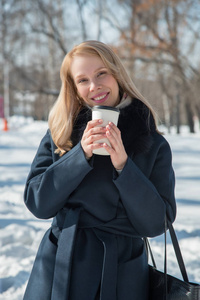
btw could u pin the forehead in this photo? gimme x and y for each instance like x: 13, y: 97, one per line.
x: 85, y: 64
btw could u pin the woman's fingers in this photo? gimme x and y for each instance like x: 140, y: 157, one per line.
x: 117, y: 151
x: 93, y: 123
x: 114, y: 135
x: 93, y: 132
x: 96, y: 130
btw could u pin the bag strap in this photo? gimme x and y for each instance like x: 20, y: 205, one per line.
x: 177, y: 251
x: 168, y: 225
x: 149, y: 251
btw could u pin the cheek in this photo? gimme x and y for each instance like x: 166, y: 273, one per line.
x: 113, y: 83
x: 82, y: 91
x: 116, y: 87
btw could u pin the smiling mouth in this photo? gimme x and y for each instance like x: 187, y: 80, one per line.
x: 101, y: 98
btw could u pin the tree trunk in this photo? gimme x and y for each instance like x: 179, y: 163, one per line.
x: 166, y: 112
x: 190, y: 119
x: 178, y: 122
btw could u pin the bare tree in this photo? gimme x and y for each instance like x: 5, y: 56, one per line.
x: 35, y: 36
x: 154, y: 35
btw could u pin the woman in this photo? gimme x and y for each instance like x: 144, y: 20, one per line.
x: 102, y: 206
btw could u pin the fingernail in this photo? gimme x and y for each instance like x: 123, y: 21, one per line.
x: 100, y: 121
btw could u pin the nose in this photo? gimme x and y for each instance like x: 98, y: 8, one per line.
x: 94, y: 85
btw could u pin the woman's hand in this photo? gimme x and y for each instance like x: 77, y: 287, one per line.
x: 117, y: 152
x: 91, y: 134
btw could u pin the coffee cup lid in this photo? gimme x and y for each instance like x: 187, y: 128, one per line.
x: 105, y: 107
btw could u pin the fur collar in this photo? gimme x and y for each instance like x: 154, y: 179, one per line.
x: 135, y: 123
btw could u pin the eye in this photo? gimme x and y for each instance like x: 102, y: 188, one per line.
x: 101, y: 73
x: 82, y: 80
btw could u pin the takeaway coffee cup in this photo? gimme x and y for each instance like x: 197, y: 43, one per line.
x: 107, y: 114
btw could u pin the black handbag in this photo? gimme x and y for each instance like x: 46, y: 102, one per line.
x: 163, y: 286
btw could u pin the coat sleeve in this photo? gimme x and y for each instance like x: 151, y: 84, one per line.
x: 50, y: 183
x: 147, y: 199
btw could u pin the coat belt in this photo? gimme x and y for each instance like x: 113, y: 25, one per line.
x: 109, y: 269
x: 63, y: 262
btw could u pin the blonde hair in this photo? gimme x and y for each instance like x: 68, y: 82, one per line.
x: 69, y: 103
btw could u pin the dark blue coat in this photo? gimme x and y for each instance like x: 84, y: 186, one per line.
x: 94, y: 248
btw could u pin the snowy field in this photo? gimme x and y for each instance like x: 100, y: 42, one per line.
x: 21, y: 232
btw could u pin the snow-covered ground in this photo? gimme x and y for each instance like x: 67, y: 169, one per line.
x: 21, y: 232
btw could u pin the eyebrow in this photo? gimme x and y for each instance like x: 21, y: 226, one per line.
x: 82, y: 75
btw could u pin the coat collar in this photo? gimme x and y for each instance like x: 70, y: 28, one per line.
x: 136, y: 124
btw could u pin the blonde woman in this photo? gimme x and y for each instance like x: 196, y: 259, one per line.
x: 102, y: 205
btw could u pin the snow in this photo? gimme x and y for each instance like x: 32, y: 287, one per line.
x: 21, y: 232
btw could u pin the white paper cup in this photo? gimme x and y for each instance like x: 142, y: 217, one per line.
x: 107, y: 114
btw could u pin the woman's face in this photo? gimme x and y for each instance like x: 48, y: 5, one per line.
x: 95, y: 83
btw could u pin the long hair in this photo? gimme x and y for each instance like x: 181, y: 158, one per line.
x: 69, y: 103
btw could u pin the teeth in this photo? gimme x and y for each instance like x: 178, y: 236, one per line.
x: 99, y: 98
